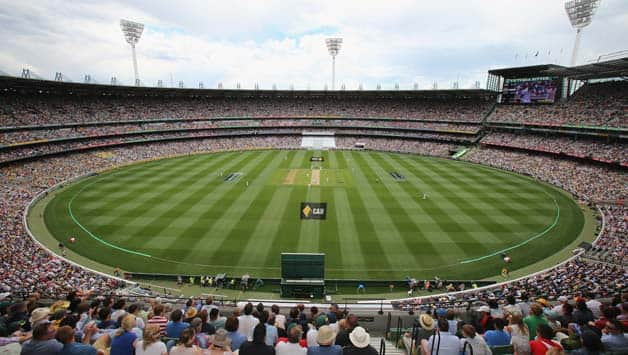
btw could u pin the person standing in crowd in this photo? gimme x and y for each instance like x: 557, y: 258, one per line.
x: 292, y: 347
x: 325, y: 339
x: 360, y: 343
x: 247, y: 322
x: 534, y: 319
x: 497, y: 336
x: 543, y: 340
x: 258, y: 345
x: 441, y: 342
x: 235, y: 337
x: 519, y: 334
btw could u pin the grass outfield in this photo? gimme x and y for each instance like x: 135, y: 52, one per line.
x: 181, y: 216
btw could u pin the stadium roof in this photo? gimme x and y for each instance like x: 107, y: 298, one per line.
x: 33, y: 86
x: 600, y: 70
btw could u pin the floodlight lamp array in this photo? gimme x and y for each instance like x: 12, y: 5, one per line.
x: 132, y: 31
x: 333, y: 45
x: 581, y: 12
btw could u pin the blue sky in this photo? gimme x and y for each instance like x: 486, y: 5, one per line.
x: 282, y: 42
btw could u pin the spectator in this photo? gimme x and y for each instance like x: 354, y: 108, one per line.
x: 325, y: 339
x: 247, y: 322
x: 258, y: 345
x: 125, y: 339
x: 360, y: 343
x: 65, y: 335
x: 43, y: 341
x: 206, y: 327
x: 175, y: 326
x: 151, y: 343
x: 534, y: 319
x: 614, y: 338
x: 235, y: 337
x: 582, y: 315
x: 474, y: 341
x: 519, y: 334
x: 342, y: 338
x: 185, y: 345
x: 497, y: 336
x: 220, y: 343
x: 292, y: 347
x: 441, y: 342
x: 215, y: 319
x: 543, y: 340
x: 158, y: 318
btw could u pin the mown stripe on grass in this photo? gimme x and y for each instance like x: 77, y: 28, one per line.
x: 465, y: 241
x: 149, y: 207
x: 506, y: 207
x: 168, y: 227
x: 233, y: 208
x: 285, y: 238
x: 385, y: 228
x: 108, y: 195
x: 430, y: 239
x: 371, y: 247
x: 257, y: 223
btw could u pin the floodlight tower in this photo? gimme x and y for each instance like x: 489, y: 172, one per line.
x: 132, y: 33
x: 333, y: 46
x: 580, y: 14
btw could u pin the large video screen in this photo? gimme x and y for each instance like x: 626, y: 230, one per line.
x: 530, y: 91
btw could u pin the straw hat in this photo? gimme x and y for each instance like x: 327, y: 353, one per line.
x: 190, y: 312
x: 360, y: 338
x: 220, y: 338
x: 426, y: 322
x: 325, y: 335
x: 38, y: 315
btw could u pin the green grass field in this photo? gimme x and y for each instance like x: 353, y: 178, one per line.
x: 179, y: 215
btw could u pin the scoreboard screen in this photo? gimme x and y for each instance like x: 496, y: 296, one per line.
x: 530, y: 91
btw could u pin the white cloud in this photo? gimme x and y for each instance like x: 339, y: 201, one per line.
x: 282, y: 42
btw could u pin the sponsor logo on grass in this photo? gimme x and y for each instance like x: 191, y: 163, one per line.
x: 313, y: 210
x: 317, y: 159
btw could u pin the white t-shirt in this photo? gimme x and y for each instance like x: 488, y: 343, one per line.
x: 449, y: 344
x: 246, y: 324
x: 289, y: 349
x: 157, y: 348
x: 311, y: 337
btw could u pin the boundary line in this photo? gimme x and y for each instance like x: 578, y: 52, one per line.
x: 116, y: 169
x: 520, y: 244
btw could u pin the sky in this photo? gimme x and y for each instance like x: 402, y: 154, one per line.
x: 282, y: 43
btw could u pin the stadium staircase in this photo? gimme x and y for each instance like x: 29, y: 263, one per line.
x: 385, y: 347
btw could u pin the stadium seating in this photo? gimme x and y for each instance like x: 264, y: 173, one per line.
x: 596, y: 104
x: 186, y: 126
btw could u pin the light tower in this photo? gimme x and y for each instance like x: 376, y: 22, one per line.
x: 132, y: 33
x: 580, y: 14
x: 333, y: 46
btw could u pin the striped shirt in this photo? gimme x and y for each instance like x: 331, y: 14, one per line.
x: 161, y: 322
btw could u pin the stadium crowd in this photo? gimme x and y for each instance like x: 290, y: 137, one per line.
x: 599, y: 104
x: 17, y: 136
x: 82, y: 323
x: 612, y: 246
x: 587, y: 182
x: 609, y: 152
x: 20, y: 110
x: 102, y: 324
x: 21, y: 151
